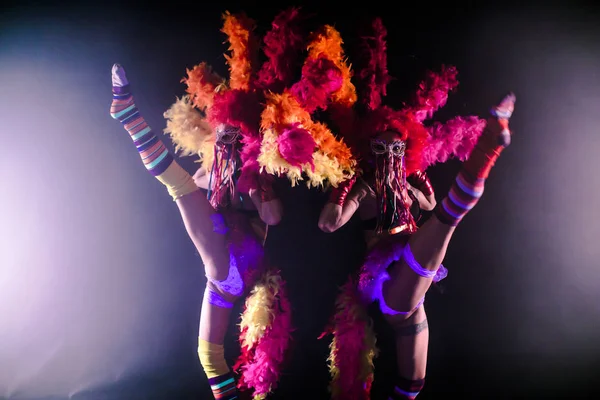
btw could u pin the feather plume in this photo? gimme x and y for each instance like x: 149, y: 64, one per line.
x: 202, y: 85
x: 456, y: 138
x: 327, y: 43
x: 296, y: 146
x: 243, y: 47
x: 374, y: 75
x: 321, y: 78
x: 282, y: 46
x: 189, y: 131
x: 432, y: 93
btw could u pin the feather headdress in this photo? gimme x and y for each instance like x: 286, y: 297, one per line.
x: 425, y: 145
x: 293, y: 143
x: 213, y: 102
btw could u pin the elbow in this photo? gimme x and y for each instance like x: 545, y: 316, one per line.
x: 331, y: 218
x: 330, y: 223
x: 271, y: 212
x: 329, y: 227
x: 271, y: 219
x: 430, y: 206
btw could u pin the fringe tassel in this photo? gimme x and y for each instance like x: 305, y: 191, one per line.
x: 390, y: 181
x: 222, y: 176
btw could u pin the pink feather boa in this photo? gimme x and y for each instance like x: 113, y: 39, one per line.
x: 260, y: 365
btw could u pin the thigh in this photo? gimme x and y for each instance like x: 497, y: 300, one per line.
x: 214, y: 320
x: 198, y: 216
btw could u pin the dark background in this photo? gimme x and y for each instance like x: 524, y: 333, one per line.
x: 519, y: 314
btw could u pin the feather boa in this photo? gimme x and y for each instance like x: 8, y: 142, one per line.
x: 353, y: 347
x: 265, y: 335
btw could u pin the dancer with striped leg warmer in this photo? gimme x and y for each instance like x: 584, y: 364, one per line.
x: 403, y: 259
x: 218, y: 120
x: 224, y: 284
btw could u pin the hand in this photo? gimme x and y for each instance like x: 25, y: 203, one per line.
x: 426, y: 202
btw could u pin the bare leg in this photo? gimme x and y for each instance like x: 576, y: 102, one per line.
x: 198, y: 215
x: 412, y: 340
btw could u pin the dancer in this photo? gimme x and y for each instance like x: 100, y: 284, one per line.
x: 218, y: 120
x: 402, y: 260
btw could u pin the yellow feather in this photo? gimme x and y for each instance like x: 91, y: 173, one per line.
x: 189, y: 131
x: 259, y: 312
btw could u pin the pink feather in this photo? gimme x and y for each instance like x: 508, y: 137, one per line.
x: 261, y: 365
x: 433, y: 92
x: 349, y: 330
x: 320, y: 78
x: 296, y: 145
x: 374, y: 75
x: 283, y: 45
x: 456, y: 138
x: 237, y: 108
